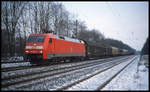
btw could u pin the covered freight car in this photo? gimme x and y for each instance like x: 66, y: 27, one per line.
x: 97, y: 50
x: 124, y: 52
x: 115, y: 51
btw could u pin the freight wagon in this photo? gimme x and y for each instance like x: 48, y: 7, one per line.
x: 97, y: 50
x: 115, y: 51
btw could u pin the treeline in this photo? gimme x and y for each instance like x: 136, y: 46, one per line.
x: 145, y: 49
x: 19, y: 19
x: 119, y: 44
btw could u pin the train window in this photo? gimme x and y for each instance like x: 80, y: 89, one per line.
x: 61, y: 37
x: 50, y: 40
x: 36, y: 39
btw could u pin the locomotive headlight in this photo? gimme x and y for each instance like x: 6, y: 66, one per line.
x: 28, y: 47
x: 39, y: 47
x: 27, y: 51
x: 40, y: 51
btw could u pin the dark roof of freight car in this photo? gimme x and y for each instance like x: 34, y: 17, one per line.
x: 97, y: 44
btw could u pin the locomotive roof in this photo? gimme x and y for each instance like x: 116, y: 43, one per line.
x: 51, y: 35
x: 69, y: 39
x: 59, y: 37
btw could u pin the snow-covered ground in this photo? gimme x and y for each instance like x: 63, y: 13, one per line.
x: 15, y: 64
x: 13, y: 59
x: 54, y: 82
x: 10, y: 59
x: 17, y: 59
x: 128, y: 79
x: 97, y: 80
x: 132, y: 78
x: 38, y: 69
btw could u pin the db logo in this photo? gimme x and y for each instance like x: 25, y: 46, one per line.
x: 34, y: 47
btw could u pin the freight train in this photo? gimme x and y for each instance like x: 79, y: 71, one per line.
x: 42, y: 48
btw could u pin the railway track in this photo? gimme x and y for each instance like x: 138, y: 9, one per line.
x: 15, y: 68
x: 5, y: 62
x: 25, y: 78
x: 49, y: 70
x: 32, y: 66
x: 103, y: 84
x: 7, y: 69
x: 60, y: 79
x: 106, y: 82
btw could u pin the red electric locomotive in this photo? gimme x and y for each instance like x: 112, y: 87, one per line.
x: 42, y: 47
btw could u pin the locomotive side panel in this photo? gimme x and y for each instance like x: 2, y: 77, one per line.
x: 64, y: 48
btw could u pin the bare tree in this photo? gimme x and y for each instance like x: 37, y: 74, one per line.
x: 12, y: 13
x: 5, y: 24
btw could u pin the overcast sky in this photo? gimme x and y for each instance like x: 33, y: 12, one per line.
x: 125, y: 21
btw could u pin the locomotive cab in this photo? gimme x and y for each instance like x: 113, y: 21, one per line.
x: 36, y: 46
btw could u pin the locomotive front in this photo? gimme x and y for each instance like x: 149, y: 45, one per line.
x: 35, y: 47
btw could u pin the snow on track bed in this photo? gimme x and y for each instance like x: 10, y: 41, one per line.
x: 131, y: 79
x: 22, y: 61
x: 6, y: 66
x: 37, y: 84
x: 38, y: 69
x: 9, y: 65
x: 42, y: 74
x: 12, y: 81
x: 15, y: 68
x: 98, y: 80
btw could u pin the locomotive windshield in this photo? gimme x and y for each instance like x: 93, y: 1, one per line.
x: 36, y: 39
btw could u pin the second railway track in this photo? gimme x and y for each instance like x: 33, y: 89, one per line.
x: 7, y: 69
x: 6, y: 82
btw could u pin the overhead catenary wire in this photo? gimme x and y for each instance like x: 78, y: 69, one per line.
x: 117, y: 14
x: 112, y: 10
